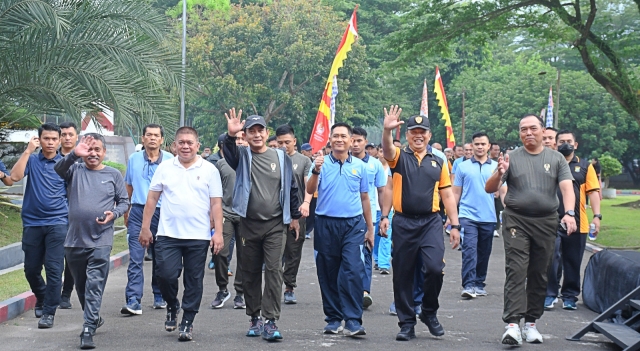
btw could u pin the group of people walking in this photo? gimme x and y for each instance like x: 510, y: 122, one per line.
x: 180, y: 208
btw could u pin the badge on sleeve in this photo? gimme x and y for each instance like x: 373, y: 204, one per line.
x: 434, y: 164
x: 576, y: 169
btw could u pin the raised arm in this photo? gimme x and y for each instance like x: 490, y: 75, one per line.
x: 229, y: 147
x: 493, y: 183
x: 18, y: 170
x: 391, y: 122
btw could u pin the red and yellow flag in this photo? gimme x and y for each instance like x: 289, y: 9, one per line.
x: 444, y: 109
x: 321, y: 127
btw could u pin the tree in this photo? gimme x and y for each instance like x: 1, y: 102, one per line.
x: 604, y: 50
x: 610, y: 167
x: 273, y: 60
x: 501, y: 91
x: 78, y: 56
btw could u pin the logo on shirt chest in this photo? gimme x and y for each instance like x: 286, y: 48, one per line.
x: 295, y: 166
x: 273, y: 167
x: 547, y: 167
x: 577, y: 169
x: 354, y: 172
x: 434, y: 164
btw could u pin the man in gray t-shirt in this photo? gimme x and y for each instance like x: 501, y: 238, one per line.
x: 293, y: 248
x: 532, y: 175
x: 97, y: 196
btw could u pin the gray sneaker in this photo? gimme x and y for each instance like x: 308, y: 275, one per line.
x: 221, y: 298
x: 468, y: 293
x: 290, y: 297
x: 238, y: 303
x: 480, y: 291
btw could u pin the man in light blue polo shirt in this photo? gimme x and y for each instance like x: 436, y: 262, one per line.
x: 377, y: 181
x: 141, y: 167
x: 477, y: 215
x: 468, y: 152
x: 343, y: 208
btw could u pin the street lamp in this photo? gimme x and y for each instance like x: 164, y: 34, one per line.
x: 184, y: 59
x: 557, y: 107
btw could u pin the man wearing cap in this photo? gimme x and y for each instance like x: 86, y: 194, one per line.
x: 306, y: 150
x: 417, y: 226
x: 372, y: 150
x: 265, y: 198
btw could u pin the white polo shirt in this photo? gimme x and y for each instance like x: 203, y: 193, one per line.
x: 186, y: 194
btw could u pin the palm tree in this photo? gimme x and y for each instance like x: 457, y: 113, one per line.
x: 72, y: 56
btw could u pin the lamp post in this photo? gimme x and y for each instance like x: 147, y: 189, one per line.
x: 184, y: 59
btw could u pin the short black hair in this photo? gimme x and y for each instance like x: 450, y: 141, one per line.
x: 51, y: 127
x: 565, y: 131
x: 533, y: 115
x: 480, y: 135
x: 187, y: 130
x: 153, y: 125
x: 271, y: 138
x: 65, y: 125
x: 457, y: 146
x: 396, y: 141
x: 285, y: 129
x: 551, y: 128
x: 359, y: 131
x: 494, y: 144
x: 97, y: 136
x: 342, y: 124
x: 328, y: 145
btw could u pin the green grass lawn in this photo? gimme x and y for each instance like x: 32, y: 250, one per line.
x: 14, y: 283
x: 10, y: 224
x: 620, y: 226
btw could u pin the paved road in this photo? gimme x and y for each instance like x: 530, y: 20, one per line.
x: 469, y: 324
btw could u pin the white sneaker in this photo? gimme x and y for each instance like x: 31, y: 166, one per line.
x: 531, y: 333
x: 512, y: 336
x: 496, y: 234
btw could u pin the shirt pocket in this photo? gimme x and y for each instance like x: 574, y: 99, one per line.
x: 353, y: 182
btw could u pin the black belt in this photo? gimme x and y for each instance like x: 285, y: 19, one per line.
x: 416, y: 216
x: 136, y: 205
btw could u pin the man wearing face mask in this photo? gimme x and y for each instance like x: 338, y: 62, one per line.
x: 569, y: 248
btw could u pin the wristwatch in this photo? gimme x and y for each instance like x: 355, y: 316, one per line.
x: 457, y: 226
x: 598, y: 216
x: 384, y: 217
x: 570, y: 213
x: 313, y: 170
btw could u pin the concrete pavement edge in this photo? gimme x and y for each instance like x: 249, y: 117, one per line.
x: 17, y: 305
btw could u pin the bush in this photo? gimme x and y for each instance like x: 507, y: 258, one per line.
x: 610, y: 167
x: 119, y: 166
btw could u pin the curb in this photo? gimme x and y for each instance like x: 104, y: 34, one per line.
x: 17, y: 305
x: 590, y: 247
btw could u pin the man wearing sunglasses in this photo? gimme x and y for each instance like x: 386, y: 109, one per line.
x: 140, y: 170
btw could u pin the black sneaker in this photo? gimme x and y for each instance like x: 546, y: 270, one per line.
x: 406, y: 334
x: 46, y: 321
x: 99, y: 324
x: 238, y: 302
x: 86, y: 340
x: 270, y: 331
x: 38, y: 310
x: 186, y: 330
x: 221, y: 298
x: 65, y: 303
x: 172, y: 314
x: 435, y: 328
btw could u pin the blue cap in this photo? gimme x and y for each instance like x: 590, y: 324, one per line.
x: 306, y: 147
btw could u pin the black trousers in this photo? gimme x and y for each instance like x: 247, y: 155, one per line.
x: 172, y: 256
x: 567, y: 256
x: 231, y: 228
x: 414, y: 239
x: 90, y: 269
x: 293, y: 255
x: 262, y: 241
x: 44, y: 246
x: 67, y: 282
